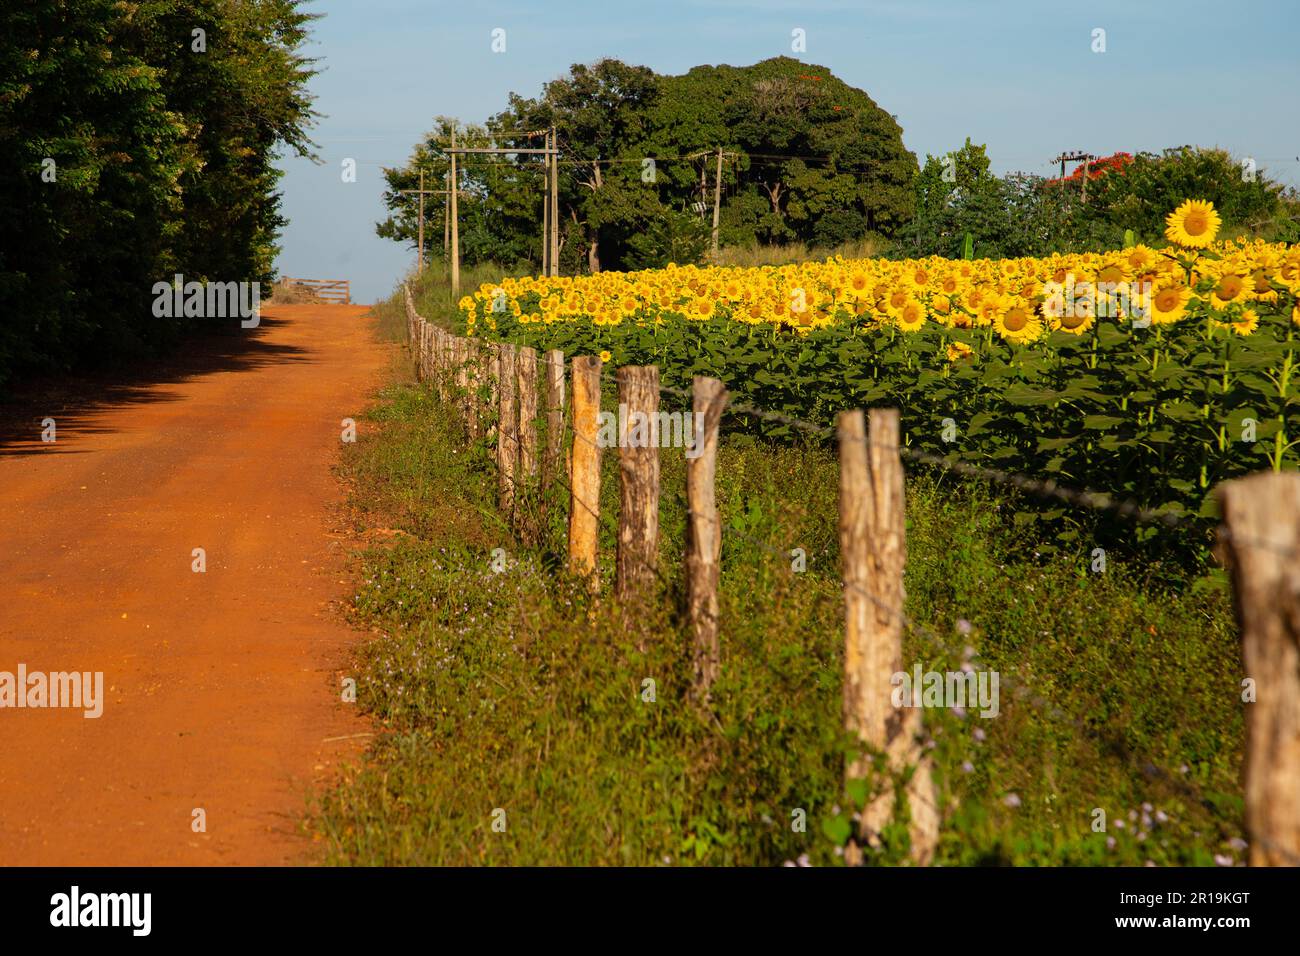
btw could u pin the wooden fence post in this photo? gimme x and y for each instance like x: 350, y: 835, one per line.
x: 638, y: 470
x: 554, y: 415
x: 422, y: 359
x: 473, y: 380
x: 1260, y: 544
x: 459, y: 357
x: 440, y: 363
x: 584, y: 467
x: 493, y: 386
x: 507, y: 431
x: 873, y: 552
x: 527, y: 377
x: 703, y: 532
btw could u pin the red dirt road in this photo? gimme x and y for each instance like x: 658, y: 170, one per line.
x: 222, y: 688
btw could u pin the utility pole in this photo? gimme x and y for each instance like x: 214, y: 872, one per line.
x: 446, y: 220
x: 717, y: 189
x: 1077, y: 156
x: 419, y: 242
x: 422, y: 192
x: 717, y: 202
x: 554, y: 143
x: 546, y: 214
x: 453, y: 214
x: 549, y: 154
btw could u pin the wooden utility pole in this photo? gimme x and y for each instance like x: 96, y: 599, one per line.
x: 717, y: 202
x: 419, y: 242
x: 454, y: 215
x: 552, y: 165
x: 1260, y: 544
x: 704, y: 533
x: 554, y: 143
x: 1077, y: 156
x: 546, y: 214
x: 717, y: 189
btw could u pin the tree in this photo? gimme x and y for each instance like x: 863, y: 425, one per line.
x: 135, y: 149
x: 807, y: 158
x: 1151, y: 186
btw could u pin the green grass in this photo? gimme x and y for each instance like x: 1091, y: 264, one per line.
x: 517, y: 691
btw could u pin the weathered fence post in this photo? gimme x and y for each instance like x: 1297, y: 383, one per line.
x: 1260, y: 544
x: 422, y: 358
x: 638, y: 470
x: 703, y: 532
x: 440, y: 362
x: 507, y: 431
x: 527, y: 377
x: 554, y: 415
x: 873, y: 552
x: 460, y: 362
x: 493, y: 386
x: 584, y: 467
x: 473, y: 381
x: 426, y: 349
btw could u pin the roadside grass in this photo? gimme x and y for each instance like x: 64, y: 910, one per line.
x: 514, y: 697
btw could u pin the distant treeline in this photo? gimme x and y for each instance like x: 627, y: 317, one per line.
x: 806, y: 159
x: 137, y: 142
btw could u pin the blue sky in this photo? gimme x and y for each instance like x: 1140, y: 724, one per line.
x: 1018, y: 75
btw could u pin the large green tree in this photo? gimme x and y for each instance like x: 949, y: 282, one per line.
x: 138, y: 140
x: 807, y: 157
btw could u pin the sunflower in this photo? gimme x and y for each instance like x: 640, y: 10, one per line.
x: 1169, y: 302
x: 1139, y: 258
x: 958, y: 351
x: 1242, y: 323
x: 1063, y: 318
x: 1229, y: 287
x: 1295, y: 313
x: 1194, y: 224
x: 911, y: 316
x: 990, y: 307
x: 1017, y: 322
x: 700, y: 308
x: 1260, y: 286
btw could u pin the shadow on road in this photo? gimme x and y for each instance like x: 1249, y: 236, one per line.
x: 72, y: 400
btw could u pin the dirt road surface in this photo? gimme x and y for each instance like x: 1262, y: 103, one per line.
x: 221, y: 688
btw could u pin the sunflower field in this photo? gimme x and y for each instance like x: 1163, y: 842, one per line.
x: 1148, y: 373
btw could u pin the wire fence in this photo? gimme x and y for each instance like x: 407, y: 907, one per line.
x: 1046, y: 488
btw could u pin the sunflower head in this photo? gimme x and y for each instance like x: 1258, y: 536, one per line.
x: 1193, y: 225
